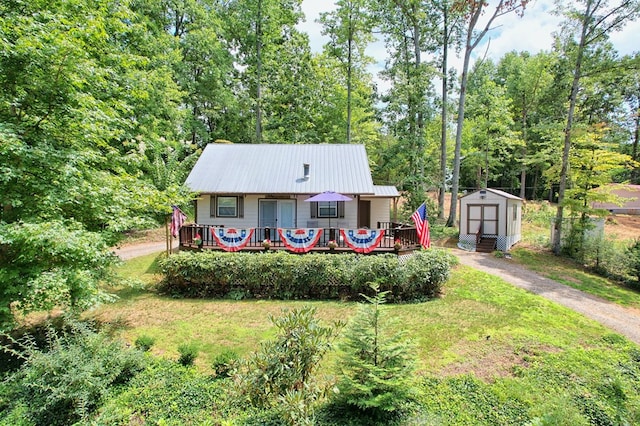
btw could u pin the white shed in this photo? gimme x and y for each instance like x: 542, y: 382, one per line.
x: 490, y: 219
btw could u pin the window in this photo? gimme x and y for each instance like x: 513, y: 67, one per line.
x: 328, y: 209
x: 226, y: 206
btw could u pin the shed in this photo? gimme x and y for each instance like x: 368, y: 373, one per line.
x: 490, y: 219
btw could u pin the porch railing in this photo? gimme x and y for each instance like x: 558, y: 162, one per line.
x: 406, y: 236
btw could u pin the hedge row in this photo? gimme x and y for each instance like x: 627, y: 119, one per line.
x: 280, y: 275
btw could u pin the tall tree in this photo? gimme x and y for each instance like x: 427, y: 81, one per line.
x: 258, y: 31
x: 472, y: 10
x: 589, y: 23
x: 349, y: 29
x: 408, y: 106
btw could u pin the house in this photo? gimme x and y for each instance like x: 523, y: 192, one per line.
x: 490, y: 219
x: 265, y: 186
x: 629, y: 196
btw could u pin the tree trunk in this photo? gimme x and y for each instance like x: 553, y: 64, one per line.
x: 564, y: 170
x: 349, y: 74
x: 259, y: 74
x: 443, y: 115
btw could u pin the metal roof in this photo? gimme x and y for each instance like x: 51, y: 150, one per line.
x: 497, y: 192
x: 386, y: 191
x: 279, y: 169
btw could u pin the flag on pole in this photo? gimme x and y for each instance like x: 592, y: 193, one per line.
x: 177, y: 219
x: 421, y: 220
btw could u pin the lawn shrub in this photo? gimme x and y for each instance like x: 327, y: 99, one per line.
x: 279, y: 377
x: 224, y: 363
x: 280, y: 275
x: 144, y: 343
x: 188, y: 353
x: 165, y: 393
x: 69, y: 379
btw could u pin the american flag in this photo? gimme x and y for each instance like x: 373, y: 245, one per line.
x: 421, y: 220
x: 177, y: 219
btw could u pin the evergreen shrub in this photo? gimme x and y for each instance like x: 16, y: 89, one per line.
x: 280, y: 275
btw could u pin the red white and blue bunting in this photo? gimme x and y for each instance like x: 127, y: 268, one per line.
x: 362, y: 240
x: 300, y: 240
x: 232, y: 239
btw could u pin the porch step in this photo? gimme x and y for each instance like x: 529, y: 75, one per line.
x: 486, y: 245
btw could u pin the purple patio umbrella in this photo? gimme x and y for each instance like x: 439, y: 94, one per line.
x: 329, y: 196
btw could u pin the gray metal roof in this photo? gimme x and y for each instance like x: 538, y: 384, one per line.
x: 386, y: 191
x: 497, y: 192
x: 278, y: 169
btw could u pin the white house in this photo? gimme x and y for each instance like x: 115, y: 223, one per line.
x: 490, y: 219
x: 266, y: 185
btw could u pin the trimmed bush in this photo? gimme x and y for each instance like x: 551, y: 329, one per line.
x: 280, y: 275
x: 144, y: 343
x: 188, y: 353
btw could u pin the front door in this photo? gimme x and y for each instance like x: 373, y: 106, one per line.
x: 276, y: 214
x: 364, y: 214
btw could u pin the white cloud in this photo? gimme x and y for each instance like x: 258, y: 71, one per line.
x: 533, y: 32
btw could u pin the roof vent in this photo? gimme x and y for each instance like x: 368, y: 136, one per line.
x: 306, y: 171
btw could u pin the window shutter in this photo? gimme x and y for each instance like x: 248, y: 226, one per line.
x: 340, y: 208
x: 240, y: 206
x: 212, y: 205
x: 314, y: 209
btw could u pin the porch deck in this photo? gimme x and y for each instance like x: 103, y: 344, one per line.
x: 406, y: 236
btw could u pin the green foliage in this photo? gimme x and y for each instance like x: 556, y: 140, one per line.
x: 165, y: 393
x: 633, y: 254
x: 376, y: 363
x: 69, y: 379
x: 281, y: 374
x: 52, y: 264
x: 224, y: 363
x: 188, y: 353
x: 144, y: 343
x: 284, y: 276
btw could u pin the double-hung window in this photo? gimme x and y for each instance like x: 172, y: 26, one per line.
x: 226, y: 206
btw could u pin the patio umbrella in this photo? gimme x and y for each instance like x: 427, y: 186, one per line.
x: 328, y: 196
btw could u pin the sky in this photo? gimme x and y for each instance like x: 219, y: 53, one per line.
x: 533, y: 32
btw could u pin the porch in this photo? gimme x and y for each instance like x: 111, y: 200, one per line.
x: 405, y: 236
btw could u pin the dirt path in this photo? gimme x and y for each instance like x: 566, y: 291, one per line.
x: 623, y: 320
x: 141, y: 249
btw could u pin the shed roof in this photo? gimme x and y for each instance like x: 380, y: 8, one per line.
x: 385, y: 191
x: 279, y: 169
x: 497, y: 192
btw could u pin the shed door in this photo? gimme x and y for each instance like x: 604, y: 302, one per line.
x: 485, y: 215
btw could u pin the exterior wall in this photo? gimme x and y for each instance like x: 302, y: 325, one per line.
x: 508, y: 226
x: 379, y: 211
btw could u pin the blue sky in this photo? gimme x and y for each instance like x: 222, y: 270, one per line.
x: 533, y: 32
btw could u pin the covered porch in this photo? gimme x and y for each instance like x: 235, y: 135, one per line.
x: 397, y: 238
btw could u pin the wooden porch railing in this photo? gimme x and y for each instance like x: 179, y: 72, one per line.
x: 406, y: 236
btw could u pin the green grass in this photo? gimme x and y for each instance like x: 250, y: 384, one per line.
x: 480, y: 323
x: 489, y: 353
x: 567, y: 272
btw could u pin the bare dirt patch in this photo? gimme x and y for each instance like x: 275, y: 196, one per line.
x: 624, y: 226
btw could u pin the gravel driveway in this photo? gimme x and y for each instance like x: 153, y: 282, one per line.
x: 623, y: 320
x: 142, y: 249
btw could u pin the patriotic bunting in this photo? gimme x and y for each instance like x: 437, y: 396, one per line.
x: 362, y: 240
x: 300, y: 240
x: 177, y: 220
x: 232, y: 239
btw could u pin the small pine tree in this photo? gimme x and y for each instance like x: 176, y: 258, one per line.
x: 377, y: 361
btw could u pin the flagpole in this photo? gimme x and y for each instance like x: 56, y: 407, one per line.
x: 168, y: 237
